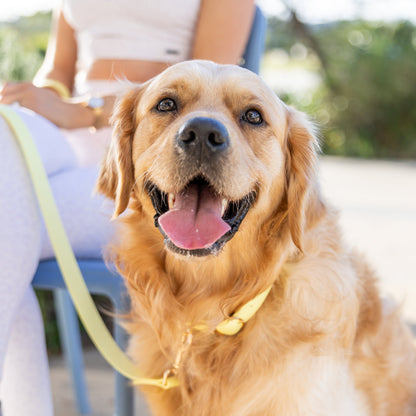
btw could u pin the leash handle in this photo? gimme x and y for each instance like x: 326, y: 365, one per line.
x: 91, y: 319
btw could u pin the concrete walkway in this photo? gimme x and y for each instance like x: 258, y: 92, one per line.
x: 377, y: 202
x: 100, y: 383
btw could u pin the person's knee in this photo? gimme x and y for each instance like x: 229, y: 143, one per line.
x: 28, y: 320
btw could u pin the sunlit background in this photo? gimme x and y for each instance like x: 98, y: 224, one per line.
x: 10, y: 10
x: 312, y: 11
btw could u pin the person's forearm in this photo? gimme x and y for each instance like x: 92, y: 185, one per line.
x: 81, y: 115
x: 68, y: 113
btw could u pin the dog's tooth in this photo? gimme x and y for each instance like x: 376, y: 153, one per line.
x: 224, y: 204
x: 171, y: 200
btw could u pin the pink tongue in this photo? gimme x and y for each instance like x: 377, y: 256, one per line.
x: 195, y: 220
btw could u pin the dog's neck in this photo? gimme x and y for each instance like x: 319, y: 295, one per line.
x: 229, y: 327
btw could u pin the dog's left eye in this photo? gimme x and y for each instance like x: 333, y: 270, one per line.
x: 167, y: 104
x: 252, y: 116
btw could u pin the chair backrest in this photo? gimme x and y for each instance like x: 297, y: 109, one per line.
x: 255, y: 44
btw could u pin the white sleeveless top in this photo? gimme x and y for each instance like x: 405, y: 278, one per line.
x: 149, y: 30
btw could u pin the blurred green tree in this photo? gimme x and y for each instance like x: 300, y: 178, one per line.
x: 370, y: 97
x: 23, y: 46
x: 366, y: 103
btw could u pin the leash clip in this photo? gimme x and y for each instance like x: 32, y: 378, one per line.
x: 186, y: 342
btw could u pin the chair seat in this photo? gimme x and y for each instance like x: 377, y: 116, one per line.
x: 99, y: 279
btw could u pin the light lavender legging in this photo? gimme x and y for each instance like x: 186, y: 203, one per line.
x: 24, y: 375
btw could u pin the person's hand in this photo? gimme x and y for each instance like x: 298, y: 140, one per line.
x: 48, y: 104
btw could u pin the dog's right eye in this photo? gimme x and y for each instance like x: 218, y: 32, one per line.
x: 167, y: 104
x: 252, y: 116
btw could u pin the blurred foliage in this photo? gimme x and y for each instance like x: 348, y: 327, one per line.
x: 23, y: 46
x: 46, y: 304
x: 366, y: 103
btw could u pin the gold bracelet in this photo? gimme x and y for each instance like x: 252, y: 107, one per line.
x: 55, y: 85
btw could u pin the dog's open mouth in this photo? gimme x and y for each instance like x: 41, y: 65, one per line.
x: 197, y: 221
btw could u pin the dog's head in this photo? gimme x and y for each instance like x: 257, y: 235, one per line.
x: 206, y: 150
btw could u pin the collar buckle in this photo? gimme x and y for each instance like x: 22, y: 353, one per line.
x: 230, y: 326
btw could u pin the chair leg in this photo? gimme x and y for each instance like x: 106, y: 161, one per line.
x: 124, y: 404
x: 69, y: 333
x: 124, y: 394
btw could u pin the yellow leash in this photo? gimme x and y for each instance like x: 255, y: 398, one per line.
x: 91, y: 319
x: 94, y: 325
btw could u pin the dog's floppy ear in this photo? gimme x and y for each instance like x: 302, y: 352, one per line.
x: 116, y: 177
x: 301, y: 161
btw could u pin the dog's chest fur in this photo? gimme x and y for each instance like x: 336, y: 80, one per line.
x: 300, y: 344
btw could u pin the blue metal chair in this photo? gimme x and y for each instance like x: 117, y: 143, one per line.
x: 102, y: 281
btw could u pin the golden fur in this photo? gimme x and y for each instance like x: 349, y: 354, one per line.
x: 323, y: 343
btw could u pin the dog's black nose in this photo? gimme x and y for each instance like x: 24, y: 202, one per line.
x: 203, y: 136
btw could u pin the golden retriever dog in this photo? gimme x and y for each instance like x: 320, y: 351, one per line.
x: 217, y: 179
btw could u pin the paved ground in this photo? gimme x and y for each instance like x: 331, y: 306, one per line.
x: 377, y: 201
x: 100, y: 381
